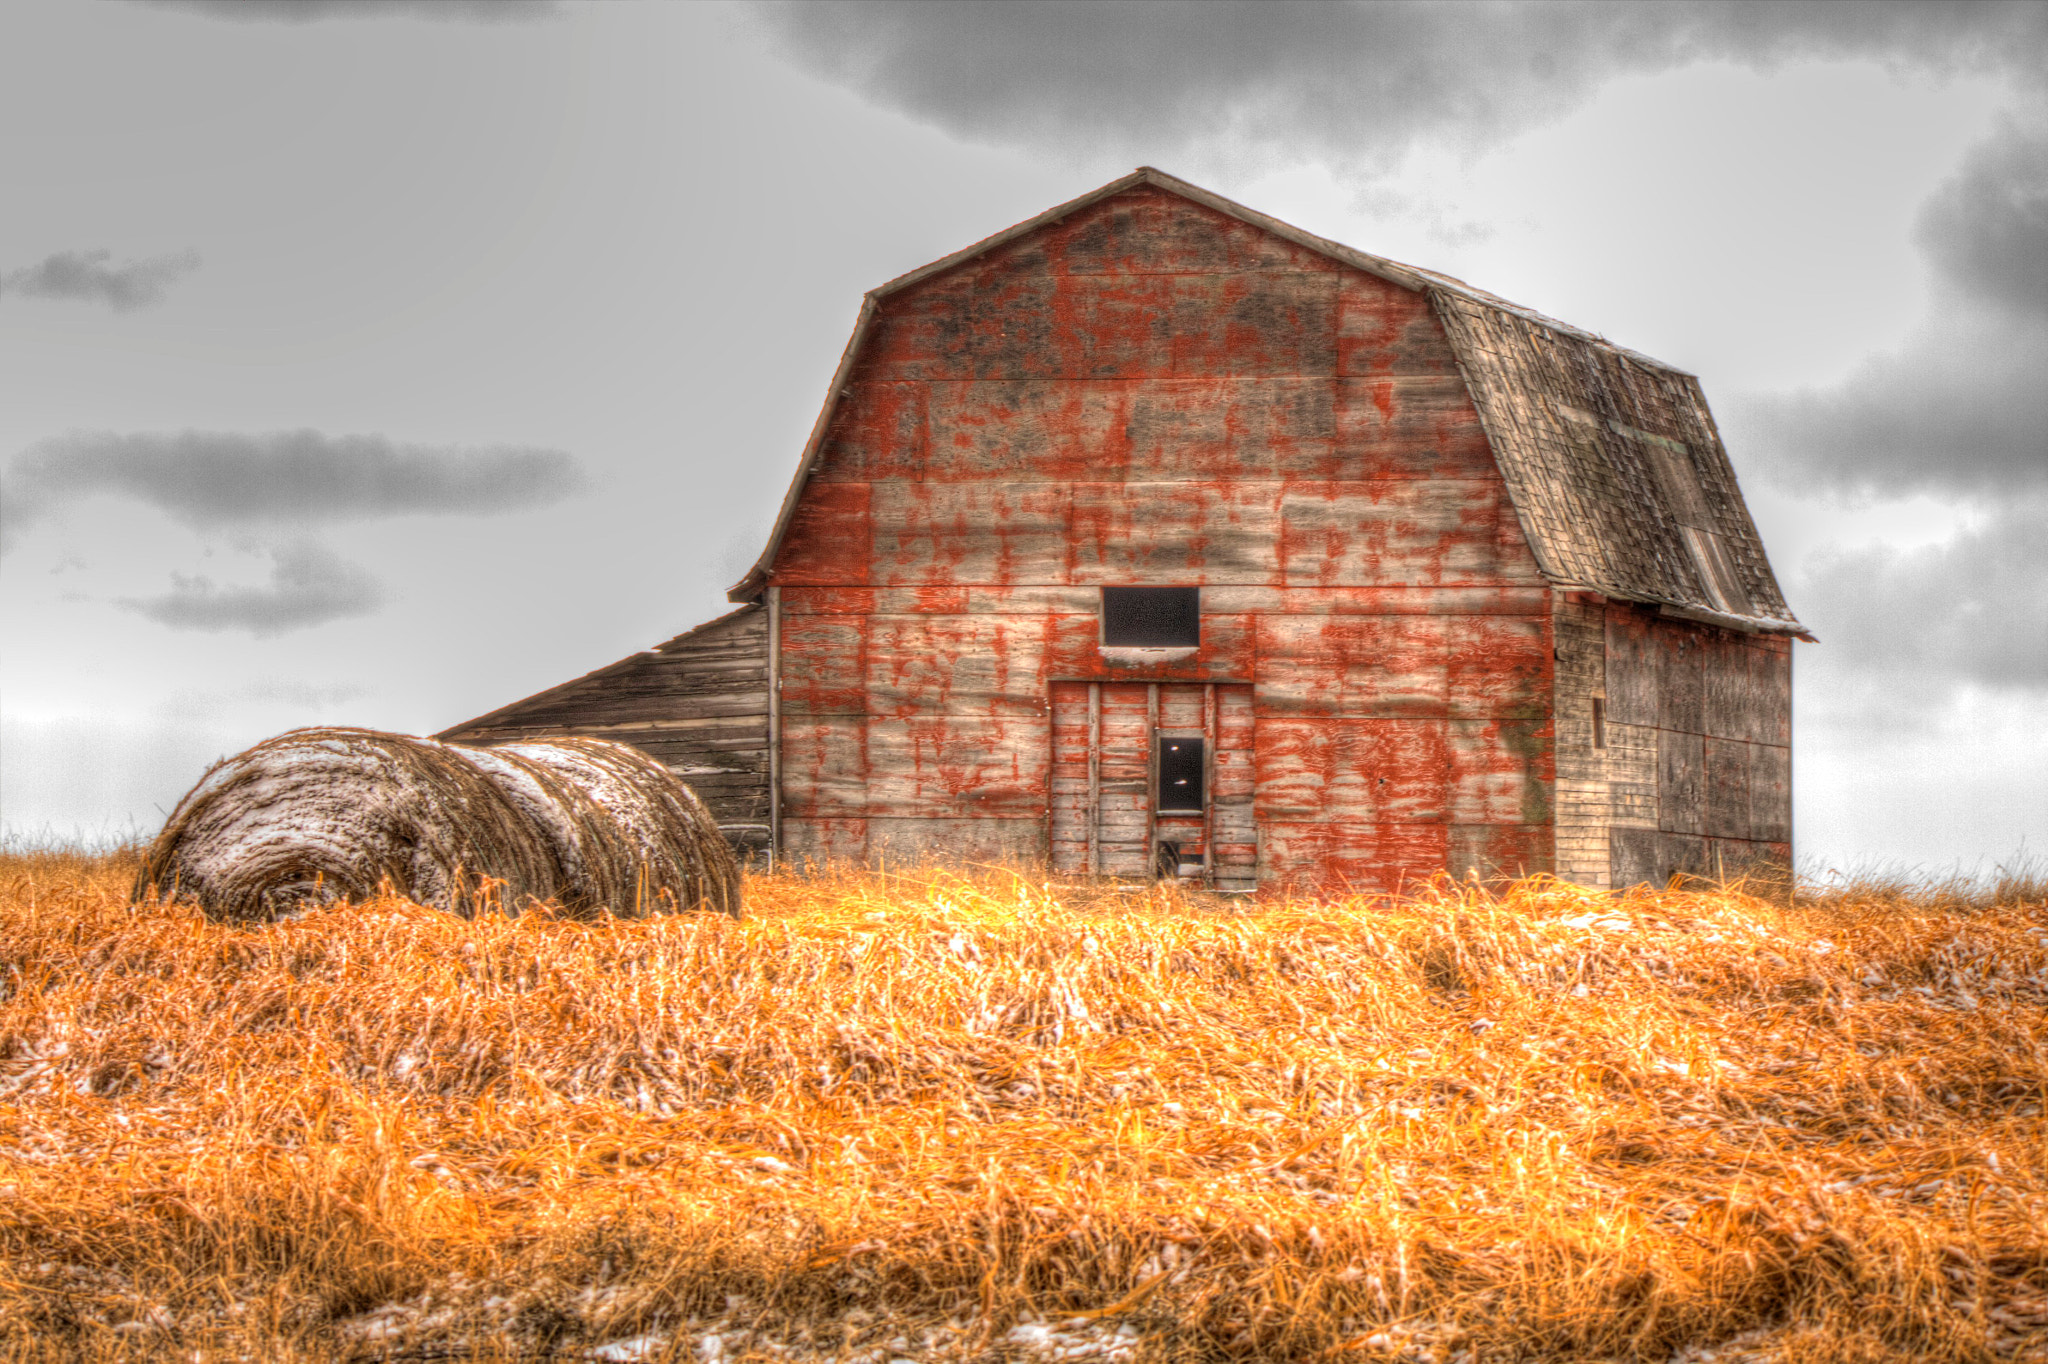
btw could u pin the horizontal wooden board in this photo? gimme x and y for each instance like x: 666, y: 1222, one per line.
x: 1406, y: 426
x: 1027, y: 599
x: 1144, y: 231
x: 1047, y: 326
x: 1500, y: 771
x: 1323, y: 769
x: 1384, y: 330
x: 902, y: 842
x: 1499, y: 666
x: 1350, y: 857
x: 1365, y: 666
x: 1396, y: 531
x: 1498, y: 852
x: 1653, y: 857
x: 830, y: 540
x: 817, y: 844
x: 878, y: 432
x: 824, y: 766
x: 1183, y: 534
x: 824, y: 665
x: 956, y: 766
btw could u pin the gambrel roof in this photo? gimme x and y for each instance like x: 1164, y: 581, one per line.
x: 1611, y: 458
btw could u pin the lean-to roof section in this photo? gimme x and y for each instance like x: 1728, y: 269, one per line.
x: 631, y: 675
x: 1594, y: 440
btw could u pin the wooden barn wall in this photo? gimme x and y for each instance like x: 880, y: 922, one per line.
x: 697, y: 704
x: 1152, y: 393
x: 1696, y: 771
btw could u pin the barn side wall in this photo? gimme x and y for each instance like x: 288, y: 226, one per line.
x: 1695, y: 774
x: 697, y: 704
x: 1152, y: 393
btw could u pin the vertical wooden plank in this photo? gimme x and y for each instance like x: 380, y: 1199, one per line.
x: 1209, y: 785
x: 1069, y: 815
x: 1728, y: 767
x: 1681, y: 679
x: 1631, y: 670
x: 774, y: 725
x: 1681, y: 783
x: 1152, y: 775
x: 1095, y: 779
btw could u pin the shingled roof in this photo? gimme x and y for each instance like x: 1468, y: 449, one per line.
x: 1611, y: 458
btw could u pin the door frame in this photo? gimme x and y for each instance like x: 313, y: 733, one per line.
x: 1207, y: 734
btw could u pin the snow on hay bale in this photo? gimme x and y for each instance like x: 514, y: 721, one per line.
x: 329, y: 814
x: 627, y: 835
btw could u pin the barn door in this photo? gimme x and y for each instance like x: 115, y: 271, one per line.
x: 1153, y: 778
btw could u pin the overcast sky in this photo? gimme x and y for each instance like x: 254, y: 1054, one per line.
x: 383, y: 361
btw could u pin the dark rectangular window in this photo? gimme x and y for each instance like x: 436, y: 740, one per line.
x: 1180, y: 776
x: 1151, y: 617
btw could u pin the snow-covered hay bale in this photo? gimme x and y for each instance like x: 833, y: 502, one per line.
x: 627, y: 835
x: 329, y: 814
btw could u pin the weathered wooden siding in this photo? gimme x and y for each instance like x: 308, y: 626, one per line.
x: 1696, y: 771
x: 1152, y: 392
x: 698, y: 704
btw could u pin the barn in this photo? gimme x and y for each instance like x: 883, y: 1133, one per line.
x: 1155, y: 536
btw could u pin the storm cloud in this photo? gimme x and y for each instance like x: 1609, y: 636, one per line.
x: 1987, y: 229
x: 87, y: 275
x: 1960, y: 409
x: 312, y: 11
x: 1972, y: 610
x: 309, y: 585
x: 1349, y: 84
x: 213, y: 479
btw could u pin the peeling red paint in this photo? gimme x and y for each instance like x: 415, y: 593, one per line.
x: 1150, y: 392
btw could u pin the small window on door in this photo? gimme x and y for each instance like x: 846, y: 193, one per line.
x: 1151, y: 617
x: 1180, y: 776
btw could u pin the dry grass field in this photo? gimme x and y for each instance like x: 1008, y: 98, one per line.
x: 974, y: 1115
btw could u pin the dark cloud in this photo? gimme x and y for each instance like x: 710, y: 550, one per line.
x: 309, y: 585
x: 211, y: 479
x: 1349, y: 83
x: 1962, y: 408
x: 1987, y: 229
x: 86, y: 275
x: 1962, y: 411
x: 312, y: 11
x: 1974, y: 609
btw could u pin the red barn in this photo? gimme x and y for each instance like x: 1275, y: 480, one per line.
x: 1156, y: 535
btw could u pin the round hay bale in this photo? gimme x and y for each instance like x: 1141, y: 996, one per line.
x: 318, y: 815
x: 630, y: 838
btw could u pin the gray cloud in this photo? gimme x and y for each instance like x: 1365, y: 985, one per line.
x: 1987, y: 229
x: 86, y: 275
x: 312, y: 11
x: 1921, y: 620
x: 309, y: 585
x: 1962, y: 411
x: 211, y: 479
x: 1354, y: 84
